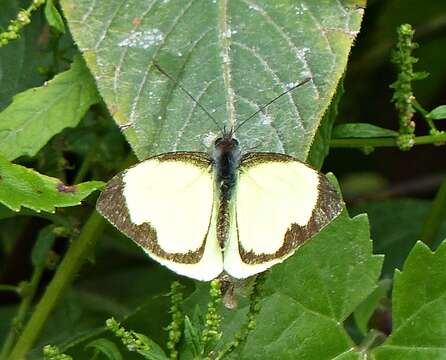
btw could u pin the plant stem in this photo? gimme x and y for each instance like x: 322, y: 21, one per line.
x: 384, y: 142
x: 435, y: 217
x: 22, y: 312
x: 73, y: 260
x: 11, y: 288
x: 85, y: 165
x: 424, y: 113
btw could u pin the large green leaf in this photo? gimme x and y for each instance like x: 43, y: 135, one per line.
x: 232, y: 56
x: 20, y: 186
x: 38, y: 114
x: 313, y: 292
x: 419, y: 308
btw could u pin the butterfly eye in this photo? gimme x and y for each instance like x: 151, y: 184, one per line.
x: 235, y: 142
x: 218, y: 141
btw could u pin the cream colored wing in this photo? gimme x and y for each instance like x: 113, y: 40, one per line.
x: 280, y: 203
x: 166, y: 205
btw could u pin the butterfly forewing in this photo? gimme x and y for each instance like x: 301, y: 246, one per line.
x: 166, y: 205
x: 280, y: 203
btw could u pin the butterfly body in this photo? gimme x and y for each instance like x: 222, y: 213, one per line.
x: 203, y: 215
x: 226, y: 160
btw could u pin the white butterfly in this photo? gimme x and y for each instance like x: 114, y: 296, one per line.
x: 203, y: 215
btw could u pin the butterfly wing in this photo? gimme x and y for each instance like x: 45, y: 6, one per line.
x: 280, y: 203
x: 166, y: 205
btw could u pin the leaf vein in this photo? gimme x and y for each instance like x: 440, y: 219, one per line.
x: 108, y: 25
x: 146, y: 72
x: 118, y: 68
x: 277, y: 79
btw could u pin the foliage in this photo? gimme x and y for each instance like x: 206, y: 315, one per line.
x: 73, y: 70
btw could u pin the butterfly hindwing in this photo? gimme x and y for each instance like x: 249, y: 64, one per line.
x: 166, y: 205
x: 280, y: 203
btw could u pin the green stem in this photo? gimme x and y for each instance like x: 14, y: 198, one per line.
x: 85, y: 166
x: 424, y: 113
x: 11, y: 288
x: 384, y: 142
x: 22, y: 312
x: 70, y: 265
x: 435, y: 217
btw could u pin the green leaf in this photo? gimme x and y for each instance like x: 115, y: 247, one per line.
x: 43, y: 245
x: 419, y: 308
x: 366, y: 309
x: 192, y: 338
x: 438, y: 113
x: 20, y: 186
x: 155, y: 352
x: 53, y: 17
x: 105, y: 347
x: 321, y: 145
x: 313, y: 292
x: 38, y: 114
x: 395, y: 228
x: 361, y: 130
x: 216, y: 51
x: 19, y: 59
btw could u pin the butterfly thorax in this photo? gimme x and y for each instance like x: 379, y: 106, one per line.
x: 226, y: 159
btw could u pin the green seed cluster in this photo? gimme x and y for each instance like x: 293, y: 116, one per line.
x: 212, y: 331
x: 175, y: 327
x: 23, y: 18
x: 53, y: 353
x: 129, y: 338
x: 403, y: 96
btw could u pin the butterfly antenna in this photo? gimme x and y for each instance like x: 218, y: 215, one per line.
x: 263, y: 107
x: 177, y: 83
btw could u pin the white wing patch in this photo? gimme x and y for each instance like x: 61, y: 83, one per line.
x: 176, y: 198
x: 269, y: 198
x: 210, y: 265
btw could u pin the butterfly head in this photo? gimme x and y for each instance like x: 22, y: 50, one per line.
x: 227, y: 144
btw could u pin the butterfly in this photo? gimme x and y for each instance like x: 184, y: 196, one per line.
x: 204, y: 215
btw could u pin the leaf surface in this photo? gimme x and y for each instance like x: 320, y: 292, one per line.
x: 419, y: 308
x: 232, y: 56
x: 37, y: 114
x: 361, y: 130
x: 313, y: 292
x: 23, y: 187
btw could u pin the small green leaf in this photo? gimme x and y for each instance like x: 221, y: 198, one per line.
x: 36, y: 115
x: 419, y: 308
x: 192, y: 338
x: 365, y: 310
x: 105, y: 347
x: 155, y: 351
x: 361, y: 130
x: 438, y: 113
x: 43, y: 245
x: 53, y: 17
x: 20, y: 186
